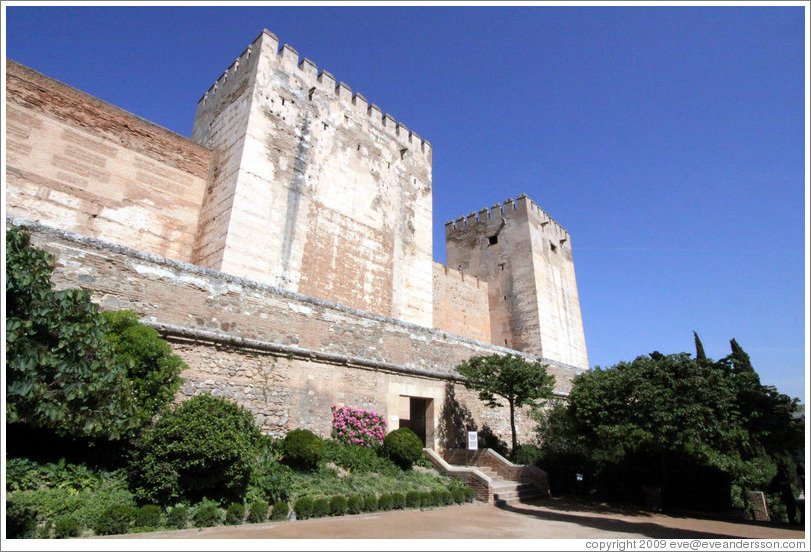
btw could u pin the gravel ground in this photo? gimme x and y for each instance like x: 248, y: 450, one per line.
x: 553, y: 518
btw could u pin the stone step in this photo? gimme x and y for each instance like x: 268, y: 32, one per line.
x: 518, y: 495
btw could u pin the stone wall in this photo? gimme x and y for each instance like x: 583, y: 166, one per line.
x: 79, y: 163
x: 285, y: 356
x: 316, y: 191
x: 460, y: 303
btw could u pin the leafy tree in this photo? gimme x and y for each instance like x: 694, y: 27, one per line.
x: 61, y: 373
x: 152, y: 367
x: 676, y: 422
x: 510, y: 377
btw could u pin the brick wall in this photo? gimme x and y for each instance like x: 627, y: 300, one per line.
x: 81, y: 164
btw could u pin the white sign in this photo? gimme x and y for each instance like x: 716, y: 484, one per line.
x: 472, y: 440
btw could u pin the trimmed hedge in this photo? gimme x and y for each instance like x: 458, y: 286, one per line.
x: 370, y: 503
x: 398, y: 500
x: 235, y: 514
x: 207, y: 515
x: 302, y: 449
x: 280, y: 511
x: 321, y: 507
x: 148, y: 515
x: 403, y: 447
x: 338, y: 505
x: 385, y: 502
x: 303, y: 507
x: 115, y: 520
x: 354, y: 504
x: 413, y: 499
x: 258, y: 511
x: 177, y: 517
x: 66, y: 527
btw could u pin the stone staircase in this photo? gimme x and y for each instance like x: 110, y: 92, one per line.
x: 506, y: 491
x: 492, y: 477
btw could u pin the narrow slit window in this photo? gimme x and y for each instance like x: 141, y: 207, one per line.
x: 492, y: 240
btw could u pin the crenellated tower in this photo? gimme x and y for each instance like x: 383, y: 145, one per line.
x: 526, y: 259
x: 312, y: 188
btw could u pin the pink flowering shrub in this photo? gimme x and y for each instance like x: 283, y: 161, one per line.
x: 357, y: 427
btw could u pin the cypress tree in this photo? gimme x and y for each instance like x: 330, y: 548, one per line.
x: 700, y: 355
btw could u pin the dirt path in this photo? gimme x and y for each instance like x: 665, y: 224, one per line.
x: 544, y: 519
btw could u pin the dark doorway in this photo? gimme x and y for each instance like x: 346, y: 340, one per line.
x: 417, y: 417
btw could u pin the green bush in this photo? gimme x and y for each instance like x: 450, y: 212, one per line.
x: 235, y: 514
x: 21, y: 520
x: 358, y: 458
x: 115, y: 520
x: 280, y: 510
x: 413, y: 499
x: 270, y: 479
x: 148, y: 516
x: 398, y: 501
x: 445, y: 497
x: 203, y: 447
x: 354, y: 504
x: 436, y: 497
x: 66, y: 527
x: 207, y: 514
x: 470, y: 494
x: 302, y: 449
x: 303, y: 507
x: 458, y: 495
x: 370, y: 503
x: 403, y: 447
x: 321, y: 507
x: 152, y: 366
x: 258, y: 511
x: 338, y: 505
x: 385, y: 502
x: 526, y: 454
x: 177, y: 517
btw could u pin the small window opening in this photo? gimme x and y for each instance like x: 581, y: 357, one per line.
x: 282, y: 101
x: 492, y: 240
x: 554, y: 247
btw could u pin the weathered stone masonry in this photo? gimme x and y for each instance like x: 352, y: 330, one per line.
x: 285, y: 356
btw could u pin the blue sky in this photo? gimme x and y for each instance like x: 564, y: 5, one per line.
x: 669, y: 141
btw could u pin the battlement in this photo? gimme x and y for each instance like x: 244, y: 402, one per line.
x: 522, y: 204
x: 287, y: 59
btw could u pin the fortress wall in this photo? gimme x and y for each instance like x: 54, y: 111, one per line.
x: 561, y: 326
x: 79, y: 163
x: 328, y: 196
x: 460, y: 303
x: 285, y: 356
x: 505, y: 264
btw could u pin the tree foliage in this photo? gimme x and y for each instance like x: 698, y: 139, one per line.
x: 152, y: 368
x: 510, y: 377
x: 691, y: 426
x: 61, y: 373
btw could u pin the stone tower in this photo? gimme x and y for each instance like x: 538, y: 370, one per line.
x: 312, y: 189
x: 526, y: 259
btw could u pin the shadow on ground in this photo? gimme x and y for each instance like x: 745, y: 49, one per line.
x: 569, y: 510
